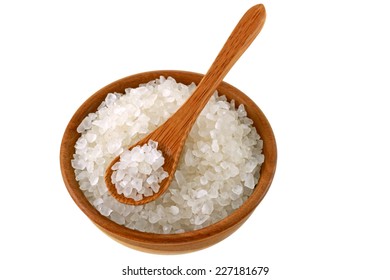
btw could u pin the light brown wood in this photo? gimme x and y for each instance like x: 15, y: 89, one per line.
x: 172, y: 134
x: 169, y: 243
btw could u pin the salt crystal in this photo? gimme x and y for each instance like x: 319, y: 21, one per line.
x: 137, y: 184
x: 250, y: 166
x: 223, y: 199
x: 101, y: 187
x: 218, y: 124
x: 126, y: 191
x: 213, y: 192
x: 137, y: 154
x: 149, y: 158
x: 110, y: 99
x: 117, y: 218
x: 86, y: 123
x: 98, y: 201
x: 249, y: 181
x: 166, y: 228
x: 215, y: 146
x: 90, y: 167
x: 241, y: 111
x: 237, y: 189
x: 260, y: 158
x: 174, y: 210
x: 158, y: 163
x: 145, y: 168
x: 233, y: 169
x: 180, y: 178
x: 208, y: 207
x: 189, y: 159
x: 93, y: 180
x: 203, y: 180
x: 148, y: 191
x: 105, y: 211
x: 203, y: 147
x: 155, y: 187
x: 90, y: 137
x: 81, y: 143
x: 200, y: 219
x: 163, y: 175
x: 209, y: 176
x: 237, y: 203
x: 152, y: 179
x: 78, y: 163
x: 119, y: 175
x: 201, y: 193
x: 113, y: 146
x: 152, y: 144
x: 140, y: 225
x: 224, y: 165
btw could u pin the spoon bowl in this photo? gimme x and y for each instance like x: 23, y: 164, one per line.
x: 172, y: 134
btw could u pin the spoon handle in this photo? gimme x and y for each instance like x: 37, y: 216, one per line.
x: 175, y: 130
x: 239, y: 40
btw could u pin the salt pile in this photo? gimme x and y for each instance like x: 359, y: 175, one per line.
x: 218, y: 169
x: 139, y: 171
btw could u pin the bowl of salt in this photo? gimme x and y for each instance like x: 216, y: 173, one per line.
x: 225, y: 170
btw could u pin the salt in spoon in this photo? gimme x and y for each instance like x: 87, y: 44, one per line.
x: 172, y: 134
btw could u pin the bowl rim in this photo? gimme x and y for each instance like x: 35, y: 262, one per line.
x: 232, y: 220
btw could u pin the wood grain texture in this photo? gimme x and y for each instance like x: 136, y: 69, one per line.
x: 169, y: 243
x: 172, y: 134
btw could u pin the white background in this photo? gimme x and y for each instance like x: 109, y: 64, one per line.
x: 320, y: 71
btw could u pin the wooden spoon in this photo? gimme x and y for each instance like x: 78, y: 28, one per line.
x: 172, y: 134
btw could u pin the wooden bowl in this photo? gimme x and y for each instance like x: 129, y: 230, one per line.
x: 165, y: 243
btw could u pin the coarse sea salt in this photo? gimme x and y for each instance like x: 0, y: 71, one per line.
x: 139, y: 171
x: 218, y: 169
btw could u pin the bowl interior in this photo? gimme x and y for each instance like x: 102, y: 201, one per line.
x: 188, y: 240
